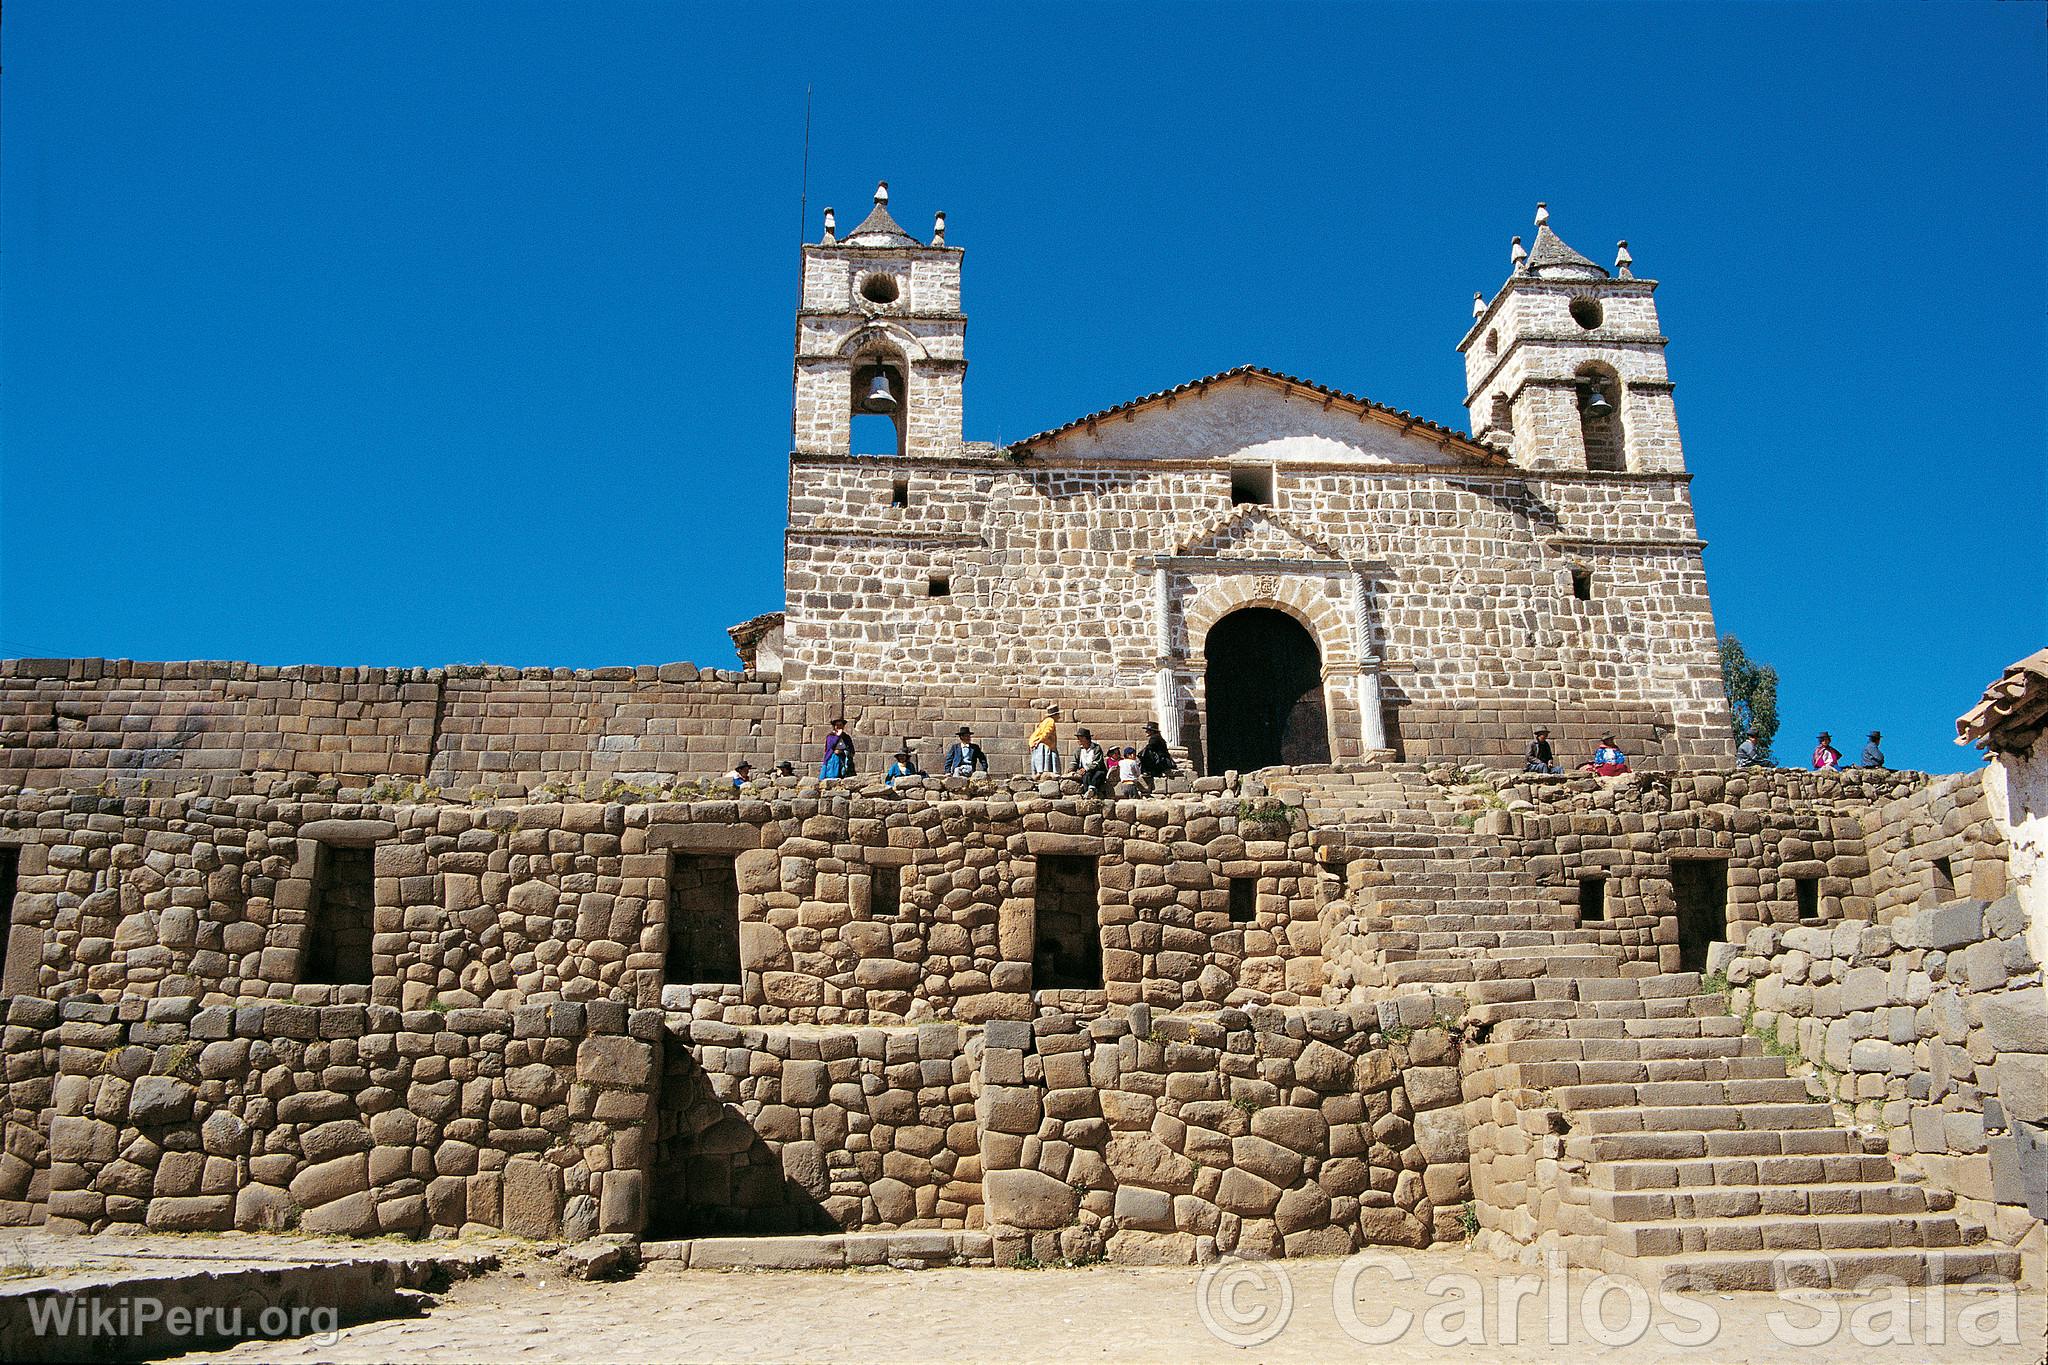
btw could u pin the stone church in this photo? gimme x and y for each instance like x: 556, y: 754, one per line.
x: 1276, y: 570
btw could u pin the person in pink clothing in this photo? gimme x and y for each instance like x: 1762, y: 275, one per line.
x: 1826, y: 757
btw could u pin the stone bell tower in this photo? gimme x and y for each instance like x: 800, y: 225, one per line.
x: 1564, y: 368
x: 880, y: 331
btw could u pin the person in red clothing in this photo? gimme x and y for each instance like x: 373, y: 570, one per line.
x: 1826, y: 757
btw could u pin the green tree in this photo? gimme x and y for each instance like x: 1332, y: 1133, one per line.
x: 1752, y: 689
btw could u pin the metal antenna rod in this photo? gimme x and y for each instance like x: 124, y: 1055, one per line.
x: 803, y: 223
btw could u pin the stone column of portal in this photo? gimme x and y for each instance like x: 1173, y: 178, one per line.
x: 1165, y: 687
x: 1373, y: 720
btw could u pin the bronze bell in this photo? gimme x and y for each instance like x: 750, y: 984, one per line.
x: 879, y: 398
x: 1595, y: 404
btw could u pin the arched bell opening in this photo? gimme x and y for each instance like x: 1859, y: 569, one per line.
x: 1264, y: 685
x: 880, y: 399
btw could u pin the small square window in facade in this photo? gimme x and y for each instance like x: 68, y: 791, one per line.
x: 1252, y: 484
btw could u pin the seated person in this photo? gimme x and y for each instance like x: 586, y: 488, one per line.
x: 741, y: 774
x: 1155, y: 760
x: 965, y: 758
x: 1128, y: 772
x: 1750, y: 754
x: 1608, y: 759
x: 903, y: 766
x: 1540, y: 757
x: 1091, y: 765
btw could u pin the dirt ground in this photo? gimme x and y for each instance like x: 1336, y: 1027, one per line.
x: 1309, y: 1311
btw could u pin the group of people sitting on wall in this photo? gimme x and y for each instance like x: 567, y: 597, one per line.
x: 1826, y: 757
x: 1129, y: 771
x: 1608, y: 760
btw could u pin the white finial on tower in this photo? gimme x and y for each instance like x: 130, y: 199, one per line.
x: 881, y: 192
x: 939, y: 228
x: 1622, y: 260
x: 1517, y: 256
x: 1478, y: 303
x: 831, y: 226
x: 1542, y: 214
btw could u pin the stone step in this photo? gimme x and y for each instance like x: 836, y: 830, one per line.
x: 1873, y: 1198
x: 905, y: 1249
x: 1452, y: 970
x: 1841, y: 1270
x: 1521, y: 1040
x: 1841, y: 1168
x: 1546, y: 1075
x: 1681, y: 1093
x: 1760, y: 1233
x: 1776, y: 1117
x: 1682, y: 1145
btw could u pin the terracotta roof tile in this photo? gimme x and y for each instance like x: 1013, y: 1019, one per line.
x: 2014, y: 710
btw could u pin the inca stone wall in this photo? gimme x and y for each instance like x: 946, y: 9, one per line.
x: 343, y: 1119
x: 1932, y: 1028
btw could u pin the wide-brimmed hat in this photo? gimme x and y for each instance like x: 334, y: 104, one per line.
x: 1152, y: 725
x: 965, y: 731
x: 1053, y: 710
x: 742, y: 766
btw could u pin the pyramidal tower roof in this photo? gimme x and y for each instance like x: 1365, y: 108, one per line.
x: 878, y: 228
x: 1552, y: 259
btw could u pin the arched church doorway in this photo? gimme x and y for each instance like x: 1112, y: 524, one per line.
x: 1265, y: 685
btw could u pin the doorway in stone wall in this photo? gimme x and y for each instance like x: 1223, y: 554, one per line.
x: 1265, y: 686
x: 1699, y: 886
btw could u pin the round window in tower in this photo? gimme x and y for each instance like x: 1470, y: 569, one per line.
x: 1586, y: 312
x: 879, y: 287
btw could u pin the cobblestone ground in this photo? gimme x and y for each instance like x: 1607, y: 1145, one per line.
x: 527, y: 1312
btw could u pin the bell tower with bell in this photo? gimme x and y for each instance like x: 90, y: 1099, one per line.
x: 880, y: 332
x: 1564, y: 367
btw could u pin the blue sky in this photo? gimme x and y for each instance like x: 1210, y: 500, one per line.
x: 399, y: 333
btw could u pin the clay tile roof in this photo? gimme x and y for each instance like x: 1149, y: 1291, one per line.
x: 1260, y: 374
x: 879, y: 229
x: 2014, y: 710
x: 1550, y: 253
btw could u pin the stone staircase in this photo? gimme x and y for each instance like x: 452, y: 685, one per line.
x: 1617, y: 1112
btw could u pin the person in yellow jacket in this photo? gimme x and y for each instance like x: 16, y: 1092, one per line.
x: 1045, y: 745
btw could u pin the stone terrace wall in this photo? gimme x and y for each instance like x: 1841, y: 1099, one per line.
x: 488, y: 905
x: 1949, y: 818
x: 1773, y: 826
x: 210, y: 726
x: 346, y: 1119
x: 778, y: 1130
x: 1266, y: 1132
x: 1933, y: 1028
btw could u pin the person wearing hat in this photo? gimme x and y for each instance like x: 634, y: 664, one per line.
x: 838, y: 752
x: 965, y: 758
x: 1045, y: 744
x: 1873, y: 757
x: 1608, y: 759
x: 1826, y: 757
x: 785, y: 769
x: 741, y: 774
x: 1091, y: 765
x: 904, y: 766
x: 1155, y: 760
x: 1541, y: 758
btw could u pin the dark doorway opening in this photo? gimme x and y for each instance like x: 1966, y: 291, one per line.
x: 703, y: 921
x: 343, y: 917
x: 1592, y: 899
x: 1808, y: 891
x: 1244, y: 900
x: 17, y: 971
x: 1265, y: 682
x: 1068, y: 951
x: 1700, y: 887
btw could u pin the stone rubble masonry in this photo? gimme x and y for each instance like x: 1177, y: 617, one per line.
x: 520, y: 1061
x: 1932, y: 1029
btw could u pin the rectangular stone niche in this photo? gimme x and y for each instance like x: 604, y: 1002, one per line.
x: 703, y: 920
x: 343, y: 916
x: 1068, y: 953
